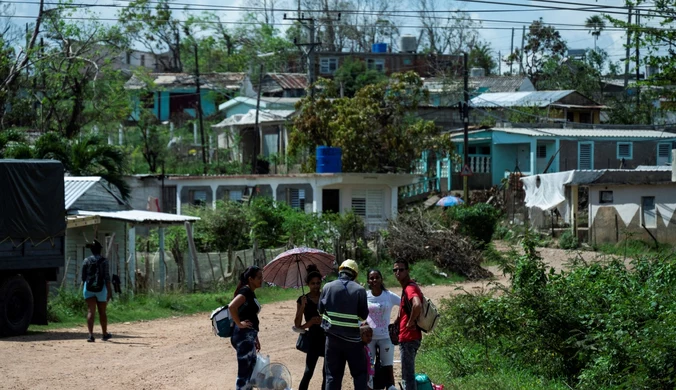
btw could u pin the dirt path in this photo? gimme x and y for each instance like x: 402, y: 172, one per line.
x: 174, y: 353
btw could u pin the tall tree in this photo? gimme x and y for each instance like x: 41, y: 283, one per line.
x: 353, y: 75
x: 542, y: 44
x: 595, y: 24
x: 453, y: 35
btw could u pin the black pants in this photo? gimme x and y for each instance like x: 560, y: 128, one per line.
x: 310, y: 364
x: 338, y: 352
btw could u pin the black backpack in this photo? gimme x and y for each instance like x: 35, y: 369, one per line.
x: 94, y: 273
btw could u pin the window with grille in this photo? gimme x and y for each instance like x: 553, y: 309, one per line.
x: 328, y: 65
x: 664, y: 153
x: 648, y: 215
x: 376, y: 64
x: 368, y: 204
x: 541, y: 151
x: 624, y: 150
x: 585, y: 155
x: 297, y: 198
x: 198, y: 197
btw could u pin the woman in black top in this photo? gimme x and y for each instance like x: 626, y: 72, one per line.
x: 244, y: 310
x: 307, y: 306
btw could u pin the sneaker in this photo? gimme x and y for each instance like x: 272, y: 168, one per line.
x: 106, y: 337
x: 91, y: 339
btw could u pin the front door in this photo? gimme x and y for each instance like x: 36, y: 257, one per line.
x: 331, y: 201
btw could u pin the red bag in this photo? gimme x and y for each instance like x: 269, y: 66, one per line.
x: 437, y: 387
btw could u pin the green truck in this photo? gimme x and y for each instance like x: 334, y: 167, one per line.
x: 32, y: 240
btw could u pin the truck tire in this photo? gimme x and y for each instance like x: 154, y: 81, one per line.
x: 16, y: 306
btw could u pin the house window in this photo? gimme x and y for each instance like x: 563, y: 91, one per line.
x: 648, y: 216
x: 376, y: 63
x: 328, y: 65
x: 485, y: 150
x: 605, y: 197
x: 585, y: 155
x: 143, y: 60
x: 570, y: 116
x: 270, y: 144
x: 664, y: 153
x: 368, y: 204
x: 297, y: 198
x: 541, y: 151
x: 198, y: 197
x: 128, y: 58
x: 625, y: 150
x: 233, y: 195
x: 169, y: 199
x: 585, y: 117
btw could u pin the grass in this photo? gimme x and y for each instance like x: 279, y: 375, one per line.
x: 634, y: 248
x: 68, y: 309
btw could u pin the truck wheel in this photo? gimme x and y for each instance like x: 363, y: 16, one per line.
x: 16, y: 306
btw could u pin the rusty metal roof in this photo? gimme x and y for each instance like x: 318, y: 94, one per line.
x: 289, y: 80
x: 213, y: 81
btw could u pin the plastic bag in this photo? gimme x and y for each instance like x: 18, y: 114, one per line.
x: 258, y: 374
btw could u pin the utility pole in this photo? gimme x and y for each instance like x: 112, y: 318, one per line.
x: 523, y: 40
x: 254, y: 159
x: 465, y: 121
x: 638, y: 69
x: 511, y: 51
x: 199, y: 108
x: 626, y: 58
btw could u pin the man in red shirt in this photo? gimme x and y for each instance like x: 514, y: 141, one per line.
x: 409, y: 334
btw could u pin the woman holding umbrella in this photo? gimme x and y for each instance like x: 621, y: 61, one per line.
x: 244, y: 310
x: 307, y: 307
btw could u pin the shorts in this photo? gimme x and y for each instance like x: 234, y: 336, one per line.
x: 386, y: 351
x: 101, y: 296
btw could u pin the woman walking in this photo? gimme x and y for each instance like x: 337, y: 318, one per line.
x: 244, y: 310
x: 380, y: 302
x: 307, y: 307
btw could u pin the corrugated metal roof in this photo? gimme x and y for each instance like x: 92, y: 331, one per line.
x: 288, y: 81
x: 75, y: 187
x: 140, y: 216
x: 519, y: 99
x: 249, y: 119
x: 588, y: 133
x: 213, y: 81
x: 654, y: 168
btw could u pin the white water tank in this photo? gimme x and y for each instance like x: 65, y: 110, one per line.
x: 477, y: 72
x: 408, y: 44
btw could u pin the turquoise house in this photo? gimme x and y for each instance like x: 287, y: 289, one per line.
x: 173, y: 96
x: 497, y: 152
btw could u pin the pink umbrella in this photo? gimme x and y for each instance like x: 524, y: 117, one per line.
x: 288, y: 268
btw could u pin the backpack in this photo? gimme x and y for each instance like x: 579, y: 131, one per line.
x: 94, y: 273
x: 429, y: 315
x: 423, y: 382
x: 222, y: 322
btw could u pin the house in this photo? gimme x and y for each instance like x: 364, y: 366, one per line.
x: 496, y: 152
x: 128, y: 60
x: 426, y: 65
x: 446, y: 93
x: 374, y: 197
x: 283, y: 85
x: 173, y: 96
x: 611, y: 205
x: 562, y: 106
x: 96, y: 210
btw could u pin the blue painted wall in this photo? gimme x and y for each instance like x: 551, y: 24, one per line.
x: 162, y: 99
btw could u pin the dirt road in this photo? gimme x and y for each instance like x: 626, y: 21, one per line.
x: 174, y: 353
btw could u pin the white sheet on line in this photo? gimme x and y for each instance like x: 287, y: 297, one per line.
x: 551, y: 191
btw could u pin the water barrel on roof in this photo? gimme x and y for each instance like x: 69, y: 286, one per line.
x: 329, y: 159
x: 379, y: 48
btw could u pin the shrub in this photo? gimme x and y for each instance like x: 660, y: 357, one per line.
x: 568, y: 241
x: 477, y: 221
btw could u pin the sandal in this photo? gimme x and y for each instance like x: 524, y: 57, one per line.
x: 107, y: 336
x: 91, y: 339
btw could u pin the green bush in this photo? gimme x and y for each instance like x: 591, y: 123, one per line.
x: 568, y: 241
x: 476, y: 221
x: 66, y: 303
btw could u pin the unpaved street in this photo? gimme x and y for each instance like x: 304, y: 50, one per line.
x: 174, y: 353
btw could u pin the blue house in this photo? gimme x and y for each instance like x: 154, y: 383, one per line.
x: 173, y: 96
x: 496, y: 152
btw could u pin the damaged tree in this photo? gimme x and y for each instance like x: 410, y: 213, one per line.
x: 414, y: 237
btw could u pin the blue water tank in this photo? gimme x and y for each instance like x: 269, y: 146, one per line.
x: 329, y: 159
x: 379, y: 48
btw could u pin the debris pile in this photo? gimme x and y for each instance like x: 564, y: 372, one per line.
x: 414, y: 237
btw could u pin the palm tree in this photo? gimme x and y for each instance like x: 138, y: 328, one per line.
x: 596, y: 24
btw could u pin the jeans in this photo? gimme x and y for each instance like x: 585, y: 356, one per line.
x: 244, y: 342
x: 338, y: 352
x: 408, y: 350
x: 310, y: 364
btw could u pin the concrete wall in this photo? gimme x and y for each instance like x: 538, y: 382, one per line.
x: 622, y: 219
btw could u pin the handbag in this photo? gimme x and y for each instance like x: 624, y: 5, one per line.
x: 393, y: 330
x: 303, y: 343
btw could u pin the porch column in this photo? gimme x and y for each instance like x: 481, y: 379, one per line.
x: 260, y: 140
x: 316, y: 198
x: 573, y: 209
x: 273, y: 186
x: 394, y: 202
x: 179, y: 187
x: 214, y: 188
x: 163, y: 267
x: 131, y: 249
x: 556, y: 166
x: 533, y: 157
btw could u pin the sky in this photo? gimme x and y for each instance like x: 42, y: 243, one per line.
x: 498, y: 17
